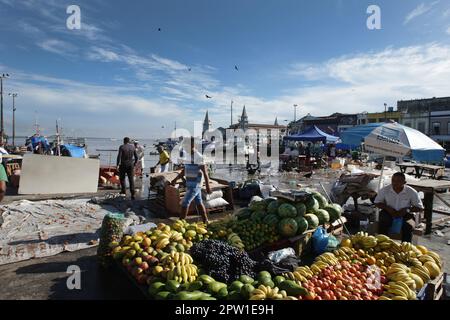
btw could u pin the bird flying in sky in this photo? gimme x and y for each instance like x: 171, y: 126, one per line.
x: 208, y: 97
x: 237, y: 69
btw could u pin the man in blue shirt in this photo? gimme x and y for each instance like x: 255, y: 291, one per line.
x: 195, y: 173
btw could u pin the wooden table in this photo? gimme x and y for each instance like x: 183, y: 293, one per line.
x: 420, y: 168
x: 429, y: 187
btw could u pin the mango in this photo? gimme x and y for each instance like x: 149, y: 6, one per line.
x: 215, y: 287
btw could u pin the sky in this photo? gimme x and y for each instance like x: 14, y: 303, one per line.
x: 120, y: 76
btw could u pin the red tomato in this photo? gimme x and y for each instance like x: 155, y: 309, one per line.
x: 318, y: 290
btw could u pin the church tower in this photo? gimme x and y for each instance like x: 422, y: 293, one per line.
x: 206, y: 123
x: 244, y: 120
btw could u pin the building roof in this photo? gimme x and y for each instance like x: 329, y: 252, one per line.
x: 258, y: 125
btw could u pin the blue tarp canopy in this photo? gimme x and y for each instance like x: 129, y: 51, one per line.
x: 73, y: 151
x: 356, y: 135
x: 313, y: 134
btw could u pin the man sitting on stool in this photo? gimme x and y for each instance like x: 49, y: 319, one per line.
x: 398, y: 201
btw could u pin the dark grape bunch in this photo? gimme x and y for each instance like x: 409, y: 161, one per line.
x: 222, y: 261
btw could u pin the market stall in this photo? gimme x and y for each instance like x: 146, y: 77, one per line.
x: 192, y: 261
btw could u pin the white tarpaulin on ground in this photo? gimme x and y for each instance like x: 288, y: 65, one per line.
x: 45, y: 228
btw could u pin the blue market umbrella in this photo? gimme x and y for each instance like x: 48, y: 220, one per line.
x: 395, y: 140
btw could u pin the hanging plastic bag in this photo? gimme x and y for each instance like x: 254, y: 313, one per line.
x: 319, y: 241
x: 333, y: 243
x: 396, y: 226
x: 277, y: 256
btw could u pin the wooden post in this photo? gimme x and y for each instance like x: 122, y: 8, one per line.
x: 428, y: 203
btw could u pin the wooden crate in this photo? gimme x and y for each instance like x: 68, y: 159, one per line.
x: 435, y: 289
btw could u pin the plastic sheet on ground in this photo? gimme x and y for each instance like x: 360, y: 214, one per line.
x: 45, y: 228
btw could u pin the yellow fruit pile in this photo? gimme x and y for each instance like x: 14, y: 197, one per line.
x: 267, y: 293
x: 179, y: 266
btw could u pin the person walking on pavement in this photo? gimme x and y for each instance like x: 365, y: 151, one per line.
x: 126, y: 164
x: 195, y: 173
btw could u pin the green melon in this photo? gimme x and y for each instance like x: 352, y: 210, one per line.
x: 287, y: 227
x: 271, y: 219
x: 270, y: 200
x: 334, y: 212
x: 272, y: 208
x: 301, y: 209
x: 258, y: 216
x: 244, y: 213
x: 323, y: 215
x: 257, y: 204
x: 321, y: 200
x: 302, y: 225
x: 313, y: 221
x: 312, y: 204
x: 287, y: 210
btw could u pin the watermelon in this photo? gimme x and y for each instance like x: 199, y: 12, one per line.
x: 323, y: 215
x: 287, y: 227
x: 257, y: 204
x: 244, y: 213
x: 272, y: 208
x: 270, y: 200
x: 287, y: 210
x: 258, y: 216
x: 321, y: 200
x: 301, y: 209
x: 313, y: 220
x: 302, y: 225
x: 334, y: 211
x: 312, y: 204
x: 271, y: 219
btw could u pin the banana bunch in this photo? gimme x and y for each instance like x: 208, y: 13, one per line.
x: 176, y: 236
x: 327, y: 259
x: 422, y: 272
x: 177, y: 257
x: 162, y: 240
x: 363, y: 240
x: 398, y: 290
x: 305, y: 271
x: 267, y: 293
x: 295, y: 276
x: 183, y: 273
x: 344, y: 253
x: 234, y: 240
x: 436, y: 258
x: 179, y: 225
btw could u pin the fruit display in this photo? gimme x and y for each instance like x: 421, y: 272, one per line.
x: 222, y: 261
x: 186, y: 261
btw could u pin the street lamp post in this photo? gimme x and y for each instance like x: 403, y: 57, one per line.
x: 385, y: 112
x: 14, y: 96
x: 295, y: 112
x: 2, y: 129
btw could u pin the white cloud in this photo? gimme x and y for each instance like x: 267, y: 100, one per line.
x: 448, y: 31
x: 57, y: 46
x: 101, y: 54
x: 419, y: 10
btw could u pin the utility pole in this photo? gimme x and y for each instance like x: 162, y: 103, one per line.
x: 2, y: 129
x: 385, y: 112
x: 231, y: 113
x: 14, y: 96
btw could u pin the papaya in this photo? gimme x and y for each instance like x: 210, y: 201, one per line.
x: 156, y: 287
x: 264, y: 275
x: 247, y: 290
x: 236, y: 286
x: 172, y: 286
x: 185, y: 295
x: 163, y: 295
x: 215, y: 287
x: 196, y: 285
x: 234, y: 295
x: 278, y: 279
x: 206, y: 279
x: 292, y: 289
x: 223, y: 293
x: 246, y: 279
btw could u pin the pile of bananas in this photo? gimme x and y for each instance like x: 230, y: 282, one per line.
x: 179, y: 266
x: 234, y: 240
x: 362, y: 240
x: 192, y: 231
x: 300, y: 275
x: 398, y: 290
x: 267, y: 293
